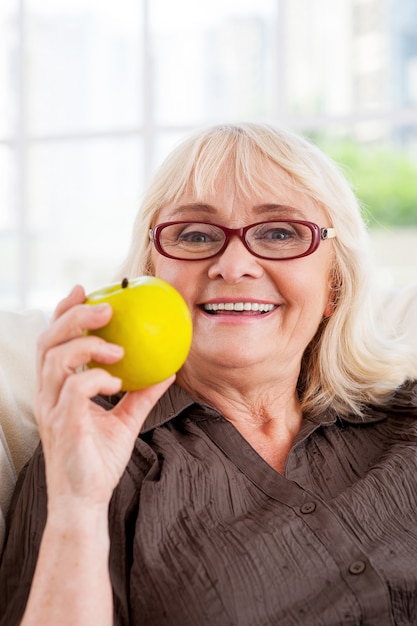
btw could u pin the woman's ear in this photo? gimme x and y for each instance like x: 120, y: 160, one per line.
x: 329, y: 310
x: 331, y: 303
x: 333, y: 295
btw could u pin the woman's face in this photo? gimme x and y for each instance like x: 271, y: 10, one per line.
x: 297, y: 291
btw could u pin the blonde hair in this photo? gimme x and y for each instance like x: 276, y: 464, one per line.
x: 350, y: 362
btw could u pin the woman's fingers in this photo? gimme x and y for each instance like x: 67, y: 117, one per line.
x: 135, y: 406
x: 73, y: 402
x: 74, y: 321
x: 65, y: 359
x: 79, y: 388
x: 64, y: 347
x: 76, y: 296
x: 70, y: 324
x: 84, y: 453
x: 86, y: 447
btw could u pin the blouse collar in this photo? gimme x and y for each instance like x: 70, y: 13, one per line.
x: 176, y: 400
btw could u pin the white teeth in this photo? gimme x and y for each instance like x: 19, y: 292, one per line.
x: 239, y: 306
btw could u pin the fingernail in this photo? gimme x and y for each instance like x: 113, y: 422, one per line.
x: 99, y: 308
x: 113, y: 348
x: 115, y: 385
x: 73, y: 290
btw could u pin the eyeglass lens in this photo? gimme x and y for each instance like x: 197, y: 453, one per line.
x: 273, y: 240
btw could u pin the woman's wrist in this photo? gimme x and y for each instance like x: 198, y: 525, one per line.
x: 72, y: 568
x: 78, y: 518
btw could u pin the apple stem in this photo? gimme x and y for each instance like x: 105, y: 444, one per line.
x: 125, y: 283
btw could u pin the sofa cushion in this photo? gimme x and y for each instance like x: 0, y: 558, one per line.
x: 399, y: 311
x: 18, y: 432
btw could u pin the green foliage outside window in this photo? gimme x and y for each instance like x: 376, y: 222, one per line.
x: 384, y: 179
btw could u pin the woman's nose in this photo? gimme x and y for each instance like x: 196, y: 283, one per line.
x: 235, y: 262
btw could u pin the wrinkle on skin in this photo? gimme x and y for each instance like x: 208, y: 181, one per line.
x: 248, y: 366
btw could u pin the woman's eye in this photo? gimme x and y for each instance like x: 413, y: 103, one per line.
x: 282, y: 234
x: 274, y: 234
x: 279, y: 234
x: 194, y: 237
x: 195, y: 234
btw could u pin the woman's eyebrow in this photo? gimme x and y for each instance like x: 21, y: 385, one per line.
x: 192, y: 207
x: 280, y: 210
x: 283, y: 210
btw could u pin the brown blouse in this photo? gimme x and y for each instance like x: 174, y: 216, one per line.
x: 205, y: 532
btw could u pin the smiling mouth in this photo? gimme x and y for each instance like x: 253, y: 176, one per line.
x: 248, y: 308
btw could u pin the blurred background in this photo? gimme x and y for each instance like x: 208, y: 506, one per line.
x: 93, y: 95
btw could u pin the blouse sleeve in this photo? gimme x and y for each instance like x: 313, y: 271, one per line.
x: 25, y: 524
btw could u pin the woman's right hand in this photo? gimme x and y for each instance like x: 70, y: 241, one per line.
x: 86, y: 448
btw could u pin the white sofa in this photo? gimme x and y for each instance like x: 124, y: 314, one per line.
x: 18, y: 432
x: 18, y: 334
x: 399, y: 311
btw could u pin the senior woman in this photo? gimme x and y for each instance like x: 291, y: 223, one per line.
x: 275, y: 482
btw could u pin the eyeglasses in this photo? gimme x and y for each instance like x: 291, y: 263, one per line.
x: 275, y: 240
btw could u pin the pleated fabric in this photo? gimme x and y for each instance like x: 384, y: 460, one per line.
x: 205, y: 532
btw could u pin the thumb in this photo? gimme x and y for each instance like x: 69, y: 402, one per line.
x: 135, y: 406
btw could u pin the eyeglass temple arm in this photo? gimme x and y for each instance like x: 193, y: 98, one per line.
x: 327, y: 233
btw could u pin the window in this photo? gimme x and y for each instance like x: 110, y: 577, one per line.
x: 94, y: 94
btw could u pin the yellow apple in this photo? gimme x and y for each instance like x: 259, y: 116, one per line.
x: 152, y: 322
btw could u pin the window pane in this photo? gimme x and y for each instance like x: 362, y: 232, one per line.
x: 383, y: 174
x: 343, y: 71
x: 8, y: 66
x: 165, y: 142
x: 84, y: 65
x: 351, y: 56
x: 213, y: 60
x: 84, y: 196
x: 8, y: 216
x: 9, y: 264
x: 9, y: 260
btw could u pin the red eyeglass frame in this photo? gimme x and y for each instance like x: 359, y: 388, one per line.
x: 318, y: 234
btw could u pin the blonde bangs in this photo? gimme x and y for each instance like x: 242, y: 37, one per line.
x: 207, y: 160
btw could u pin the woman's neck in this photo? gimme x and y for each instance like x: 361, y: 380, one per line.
x: 267, y: 414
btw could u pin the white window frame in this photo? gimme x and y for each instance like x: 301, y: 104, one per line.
x: 148, y: 131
